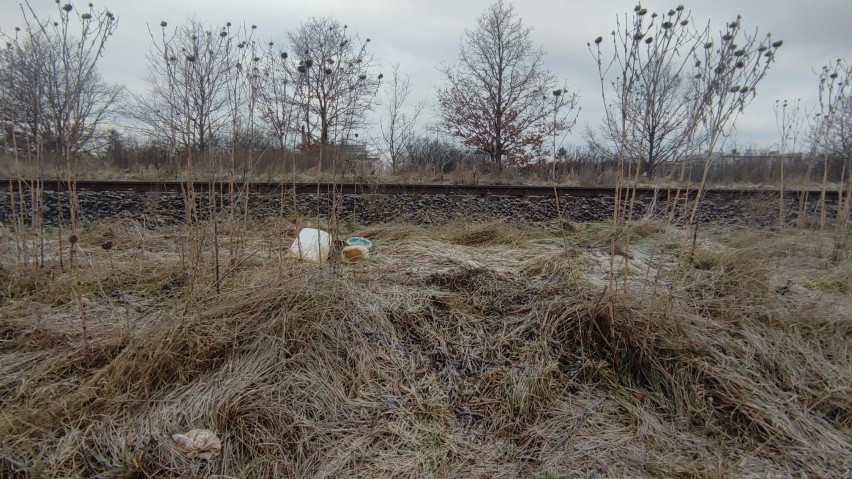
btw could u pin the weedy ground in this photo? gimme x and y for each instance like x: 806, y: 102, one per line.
x: 462, y: 350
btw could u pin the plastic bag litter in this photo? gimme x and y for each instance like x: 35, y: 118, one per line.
x: 201, y: 443
x: 312, y: 244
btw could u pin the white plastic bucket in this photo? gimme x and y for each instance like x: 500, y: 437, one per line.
x: 312, y: 245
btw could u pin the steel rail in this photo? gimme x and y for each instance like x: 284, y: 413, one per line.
x: 661, y: 193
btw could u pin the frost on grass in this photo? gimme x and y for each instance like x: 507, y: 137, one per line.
x: 481, y: 350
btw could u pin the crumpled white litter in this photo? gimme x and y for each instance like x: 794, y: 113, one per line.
x: 202, y: 443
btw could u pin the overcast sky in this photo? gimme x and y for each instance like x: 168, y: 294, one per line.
x: 420, y: 34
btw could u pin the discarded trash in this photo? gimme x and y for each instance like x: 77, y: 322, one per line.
x: 359, y: 241
x: 201, y: 443
x: 355, y: 253
x: 312, y: 244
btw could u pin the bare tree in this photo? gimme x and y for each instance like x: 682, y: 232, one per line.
x: 498, y: 97
x: 397, y: 125
x: 277, y: 108
x: 49, y: 83
x: 332, y: 82
x: 186, y: 105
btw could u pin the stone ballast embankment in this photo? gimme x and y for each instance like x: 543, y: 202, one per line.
x: 169, y: 208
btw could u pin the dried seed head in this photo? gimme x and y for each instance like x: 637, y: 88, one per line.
x: 301, y: 69
x: 679, y: 8
x: 598, y: 40
x: 777, y: 44
x: 642, y: 12
x: 733, y: 24
x: 328, y: 71
x: 727, y: 37
x: 740, y: 64
x: 283, y: 55
x: 684, y: 23
x: 637, y: 8
x: 734, y: 89
x: 362, y: 77
x: 73, y: 239
x: 649, y: 40
x: 309, y: 63
x: 666, y: 25
x: 67, y: 7
x: 223, y: 34
x: 381, y: 76
x: 190, y: 58
x: 739, y: 53
x: 671, y: 13
x: 557, y: 92
x: 708, y: 45
x: 163, y: 24
x: 86, y: 16
x: 107, y: 245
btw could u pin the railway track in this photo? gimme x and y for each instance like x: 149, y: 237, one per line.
x: 661, y: 193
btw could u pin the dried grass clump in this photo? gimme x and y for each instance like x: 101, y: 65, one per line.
x: 434, y: 359
x: 475, y: 234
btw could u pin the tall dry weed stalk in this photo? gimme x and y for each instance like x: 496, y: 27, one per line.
x: 651, y: 55
x: 788, y: 119
x: 832, y: 137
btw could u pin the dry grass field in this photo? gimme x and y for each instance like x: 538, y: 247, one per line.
x: 465, y: 350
